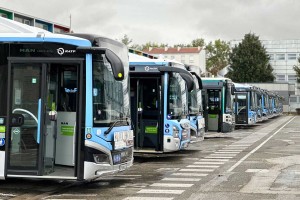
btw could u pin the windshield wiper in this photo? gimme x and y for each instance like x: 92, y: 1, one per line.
x: 114, y: 124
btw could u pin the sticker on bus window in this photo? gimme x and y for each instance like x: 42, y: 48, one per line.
x: 2, y: 142
x: 151, y: 129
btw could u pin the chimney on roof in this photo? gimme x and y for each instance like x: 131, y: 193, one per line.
x: 166, y: 48
x: 150, y: 48
x: 199, y: 48
x: 178, y: 48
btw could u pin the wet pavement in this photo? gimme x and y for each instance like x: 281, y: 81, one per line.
x: 258, y: 162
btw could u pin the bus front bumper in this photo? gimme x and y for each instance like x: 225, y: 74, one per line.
x: 93, y: 170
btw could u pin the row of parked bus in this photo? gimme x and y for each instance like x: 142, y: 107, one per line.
x: 228, y: 104
x: 171, y: 105
x: 76, y: 106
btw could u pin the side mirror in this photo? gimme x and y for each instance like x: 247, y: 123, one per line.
x: 232, y: 90
x: 116, y: 64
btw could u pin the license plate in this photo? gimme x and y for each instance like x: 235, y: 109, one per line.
x: 123, y: 139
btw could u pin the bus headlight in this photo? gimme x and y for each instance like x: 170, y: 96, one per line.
x: 184, y: 134
x: 101, y: 158
x: 175, y: 132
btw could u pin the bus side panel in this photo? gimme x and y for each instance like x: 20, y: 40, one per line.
x: 2, y: 165
x: 4, y: 49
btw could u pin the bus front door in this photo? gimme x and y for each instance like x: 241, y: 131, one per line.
x: 214, y: 110
x: 241, y: 108
x: 36, y: 141
x: 145, y: 96
x: 25, y: 118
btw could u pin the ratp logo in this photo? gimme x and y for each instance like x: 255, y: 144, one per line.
x: 60, y: 51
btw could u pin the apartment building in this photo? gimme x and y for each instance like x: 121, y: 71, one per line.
x: 187, y: 55
x: 34, y: 21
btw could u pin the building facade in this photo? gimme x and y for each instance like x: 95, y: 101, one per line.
x: 33, y: 21
x: 186, y: 55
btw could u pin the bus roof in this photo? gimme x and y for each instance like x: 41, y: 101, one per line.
x: 215, y: 79
x: 135, y: 59
x: 11, y: 31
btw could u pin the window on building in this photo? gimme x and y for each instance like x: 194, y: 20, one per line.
x: 172, y: 57
x: 26, y: 21
x: 166, y: 56
x: 292, y: 78
x: 191, y: 60
x: 280, y: 56
x: 3, y: 15
x: 292, y: 56
x: 280, y: 77
x: 293, y: 99
x: 183, y: 58
x: 271, y: 56
x: 42, y: 26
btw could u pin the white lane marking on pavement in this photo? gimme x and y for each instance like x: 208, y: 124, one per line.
x: 128, y: 175
x: 208, y: 163
x: 151, y: 191
x: 179, y: 185
x: 203, y: 166
x: 258, y: 147
x: 188, y: 174
x: 148, y: 198
x: 221, y: 157
x: 257, y: 170
x: 223, y: 154
x: 233, y: 150
x: 214, y: 159
x: 196, y: 170
x: 181, y: 179
x: 226, y: 152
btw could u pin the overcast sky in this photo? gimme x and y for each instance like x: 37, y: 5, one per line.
x: 170, y: 21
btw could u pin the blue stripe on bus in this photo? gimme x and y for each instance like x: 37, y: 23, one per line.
x: 38, y: 137
x: 89, y: 92
x: 77, y: 42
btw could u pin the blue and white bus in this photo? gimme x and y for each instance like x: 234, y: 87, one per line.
x: 265, y: 106
x: 195, y: 105
x: 64, y: 106
x: 219, y: 111
x: 245, y: 104
x: 159, y: 105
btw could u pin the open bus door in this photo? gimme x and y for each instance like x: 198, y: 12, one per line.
x: 41, y: 134
x: 146, y: 117
x: 214, y: 112
x: 241, y: 108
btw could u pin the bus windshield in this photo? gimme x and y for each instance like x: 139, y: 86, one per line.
x: 109, y: 98
x: 192, y: 98
x: 228, y: 98
x: 174, y: 97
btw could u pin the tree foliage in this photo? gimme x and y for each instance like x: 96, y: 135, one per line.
x: 297, y: 70
x: 217, y: 55
x: 249, y: 61
x: 199, y: 42
x: 126, y: 40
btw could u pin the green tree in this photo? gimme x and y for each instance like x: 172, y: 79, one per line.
x: 297, y: 70
x: 126, y: 40
x: 249, y: 61
x: 217, y: 55
x: 199, y: 42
